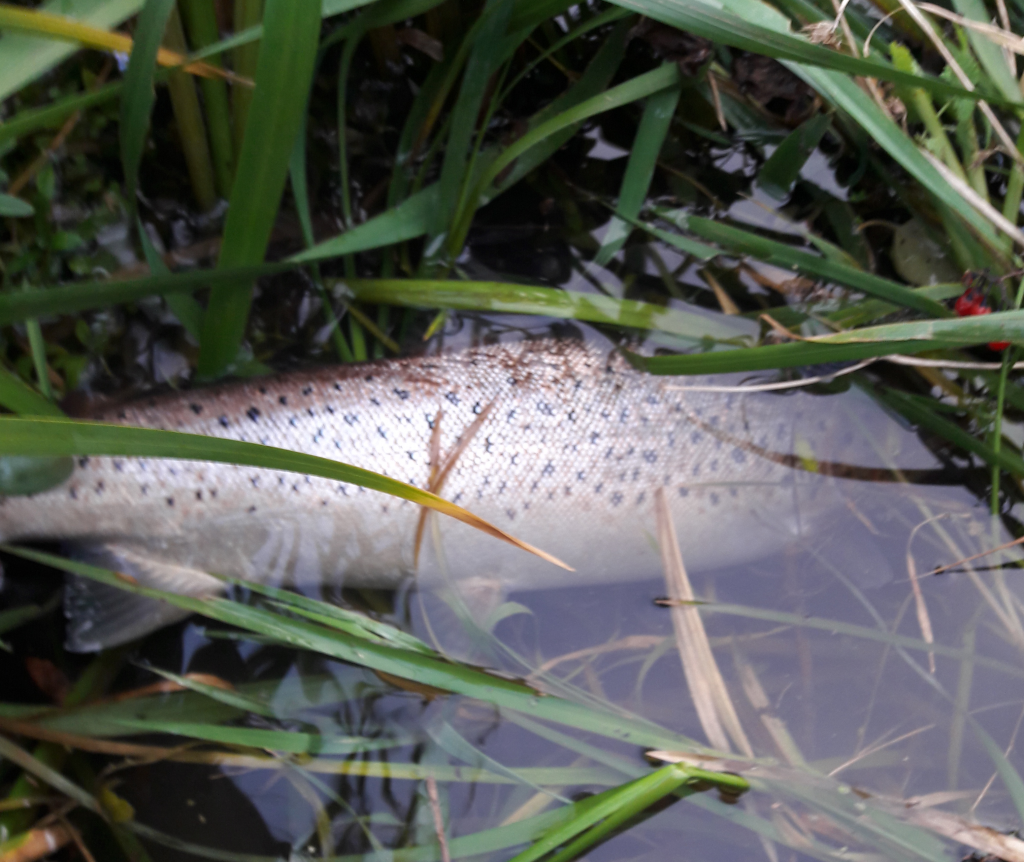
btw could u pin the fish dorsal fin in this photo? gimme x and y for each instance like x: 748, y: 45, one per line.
x: 100, y: 616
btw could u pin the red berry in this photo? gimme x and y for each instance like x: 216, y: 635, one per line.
x: 998, y: 345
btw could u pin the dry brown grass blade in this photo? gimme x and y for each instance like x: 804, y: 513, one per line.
x: 37, y: 844
x: 707, y: 687
x: 924, y: 620
x: 441, y: 466
x: 758, y: 698
x: 435, y: 810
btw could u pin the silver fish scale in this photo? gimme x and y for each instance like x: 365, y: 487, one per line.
x: 572, y: 448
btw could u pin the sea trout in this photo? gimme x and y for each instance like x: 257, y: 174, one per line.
x: 561, y: 444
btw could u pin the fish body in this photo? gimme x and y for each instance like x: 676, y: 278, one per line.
x: 561, y: 444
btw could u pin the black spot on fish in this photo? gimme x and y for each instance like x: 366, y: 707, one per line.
x: 255, y: 481
x: 295, y: 488
x: 457, y: 497
x: 121, y: 414
x: 696, y: 437
x: 684, y: 492
x: 329, y: 409
x: 713, y: 466
x: 375, y: 402
x: 594, y: 436
x: 310, y: 411
x: 616, y: 498
x: 477, y: 408
x: 83, y: 462
x: 323, y: 502
x: 641, y: 497
x: 100, y: 487
x: 224, y: 423
x: 403, y: 394
x: 739, y: 456
x: 368, y: 378
x: 549, y: 468
x: 307, y: 390
x: 73, y: 492
x: 251, y: 510
x: 262, y: 390
x: 213, y: 492
x: 291, y: 421
x: 580, y: 476
x: 451, y: 396
x: 511, y: 514
x: 545, y: 408
x: 144, y: 489
x: 351, y: 418
x: 599, y: 488
x: 253, y: 414
x: 650, y: 456
x: 170, y: 501
x: 382, y: 432
x: 714, y: 498
x: 199, y: 495
x: 119, y: 466
x: 196, y: 408
x: 283, y: 400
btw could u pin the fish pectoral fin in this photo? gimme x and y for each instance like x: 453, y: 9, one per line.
x: 101, y: 616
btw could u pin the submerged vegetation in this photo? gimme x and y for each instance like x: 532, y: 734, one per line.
x: 828, y: 194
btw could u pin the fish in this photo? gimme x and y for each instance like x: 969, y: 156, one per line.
x: 559, y: 442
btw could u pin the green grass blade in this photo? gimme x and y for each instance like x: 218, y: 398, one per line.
x: 918, y: 412
x: 26, y: 57
x: 285, y: 68
x: 612, y: 804
x: 69, y: 298
x: 138, y: 95
x: 781, y: 171
x: 420, y: 668
x: 11, y: 619
x: 287, y: 741
x: 50, y: 436
x: 499, y: 297
x: 643, y: 158
x: 201, y: 22
x: 408, y: 220
x: 999, y: 326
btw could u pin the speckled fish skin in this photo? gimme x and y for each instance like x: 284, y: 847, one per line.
x: 568, y: 458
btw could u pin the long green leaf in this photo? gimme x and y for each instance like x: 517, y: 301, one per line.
x: 522, y: 299
x: 21, y: 436
x: 138, y: 96
x: 285, y: 68
x: 643, y: 158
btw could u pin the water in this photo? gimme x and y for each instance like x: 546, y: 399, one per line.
x: 821, y: 649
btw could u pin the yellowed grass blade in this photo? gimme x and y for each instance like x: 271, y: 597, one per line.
x: 707, y: 687
x: 70, y: 30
